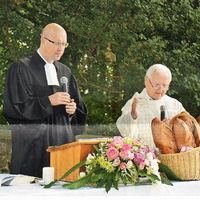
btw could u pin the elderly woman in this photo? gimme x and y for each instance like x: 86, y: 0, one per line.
x: 139, y: 111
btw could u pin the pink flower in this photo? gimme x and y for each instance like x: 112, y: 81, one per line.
x: 123, y: 165
x: 141, y: 166
x: 112, y: 153
x: 144, y: 149
x: 138, y: 158
x: 111, y: 145
x: 126, y: 147
x: 118, y: 140
x: 136, y: 142
x: 123, y: 154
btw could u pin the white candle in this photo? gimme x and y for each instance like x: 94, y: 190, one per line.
x: 48, y: 174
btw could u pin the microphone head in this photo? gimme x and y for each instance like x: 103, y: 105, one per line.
x: 162, y: 112
x: 64, y: 83
x: 162, y: 108
x: 63, y: 80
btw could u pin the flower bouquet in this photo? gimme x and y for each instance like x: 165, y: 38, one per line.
x: 120, y: 161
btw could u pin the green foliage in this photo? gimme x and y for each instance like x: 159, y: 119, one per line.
x: 163, y: 169
x: 112, y: 43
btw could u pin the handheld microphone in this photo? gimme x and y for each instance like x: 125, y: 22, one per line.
x: 162, y: 112
x: 64, y: 82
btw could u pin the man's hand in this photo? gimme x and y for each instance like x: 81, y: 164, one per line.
x: 135, y: 108
x: 59, y: 98
x: 71, y: 107
x: 63, y: 98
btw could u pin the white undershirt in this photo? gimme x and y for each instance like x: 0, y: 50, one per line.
x: 50, y: 72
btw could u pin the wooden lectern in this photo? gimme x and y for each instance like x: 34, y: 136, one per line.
x: 64, y: 157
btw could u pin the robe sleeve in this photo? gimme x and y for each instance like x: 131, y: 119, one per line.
x: 19, y: 100
x: 78, y: 119
x: 126, y: 125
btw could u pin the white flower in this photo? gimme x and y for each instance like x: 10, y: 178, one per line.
x: 116, y: 162
x: 147, y: 162
x: 89, y: 158
x: 82, y: 174
x: 135, y: 148
x: 149, y: 156
x: 154, y: 165
x: 129, y: 164
x: 130, y: 155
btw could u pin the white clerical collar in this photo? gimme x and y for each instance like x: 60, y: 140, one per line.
x: 50, y: 72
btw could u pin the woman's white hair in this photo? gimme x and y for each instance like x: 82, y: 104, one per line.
x: 158, y: 68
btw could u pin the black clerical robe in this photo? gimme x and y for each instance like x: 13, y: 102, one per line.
x: 35, y: 123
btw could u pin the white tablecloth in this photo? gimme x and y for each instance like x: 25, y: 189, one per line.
x: 180, y: 190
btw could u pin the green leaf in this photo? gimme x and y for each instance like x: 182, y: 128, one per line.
x: 79, y: 183
x: 109, y: 183
x: 141, y: 173
x: 164, y: 179
x: 96, y: 148
x: 152, y: 177
x: 103, y: 180
x: 124, y: 181
x: 115, y: 184
x: 50, y: 184
x: 169, y: 173
x: 97, y: 177
x: 80, y: 164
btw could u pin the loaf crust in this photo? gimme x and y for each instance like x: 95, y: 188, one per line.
x: 163, y: 136
x: 183, y: 135
x: 172, y: 134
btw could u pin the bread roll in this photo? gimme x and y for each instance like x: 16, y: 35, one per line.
x: 188, y: 120
x: 196, y: 132
x: 183, y: 136
x: 163, y: 136
x: 182, y: 114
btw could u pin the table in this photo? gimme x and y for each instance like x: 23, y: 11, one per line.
x: 180, y: 189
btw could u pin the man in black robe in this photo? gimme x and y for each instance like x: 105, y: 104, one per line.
x: 40, y: 113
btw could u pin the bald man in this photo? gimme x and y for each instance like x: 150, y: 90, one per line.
x: 40, y: 113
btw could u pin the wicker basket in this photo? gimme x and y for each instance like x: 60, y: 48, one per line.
x: 185, y: 165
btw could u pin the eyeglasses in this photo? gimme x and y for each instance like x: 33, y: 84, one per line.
x: 65, y: 45
x: 157, y: 87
